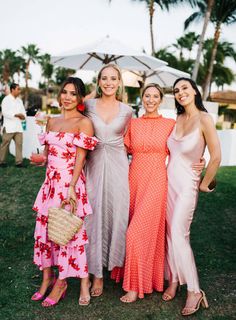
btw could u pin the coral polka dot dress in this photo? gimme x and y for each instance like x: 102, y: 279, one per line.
x: 146, y: 140
x: 71, y: 259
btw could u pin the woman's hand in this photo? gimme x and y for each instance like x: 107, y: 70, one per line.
x: 38, y: 159
x: 205, y: 188
x: 42, y: 164
x: 71, y: 194
x: 198, y: 167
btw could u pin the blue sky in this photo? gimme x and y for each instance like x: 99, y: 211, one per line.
x: 58, y: 25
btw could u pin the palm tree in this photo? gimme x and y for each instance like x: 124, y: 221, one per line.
x: 166, y: 55
x: 19, y: 65
x: 221, y: 74
x: 204, y: 6
x: 7, y: 62
x: 47, y: 68
x: 31, y: 54
x: 223, y: 12
x: 62, y: 74
x: 187, y: 41
x: 164, y: 5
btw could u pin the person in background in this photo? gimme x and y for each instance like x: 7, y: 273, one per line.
x: 67, y: 140
x: 194, y: 130
x: 107, y: 177
x: 13, y: 112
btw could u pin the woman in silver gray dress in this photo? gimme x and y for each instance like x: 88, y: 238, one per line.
x: 107, y: 177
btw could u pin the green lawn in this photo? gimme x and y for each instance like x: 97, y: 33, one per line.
x: 213, y: 242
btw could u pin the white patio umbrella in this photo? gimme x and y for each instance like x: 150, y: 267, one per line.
x: 105, y: 51
x: 165, y: 76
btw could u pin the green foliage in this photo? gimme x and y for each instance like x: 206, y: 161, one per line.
x: 47, y: 67
x: 61, y: 74
x: 187, y: 41
x: 221, y: 75
x: 10, y: 64
x: 224, y: 12
x: 177, y: 58
x: 167, y: 4
x: 166, y: 55
x: 133, y: 93
x: 31, y: 53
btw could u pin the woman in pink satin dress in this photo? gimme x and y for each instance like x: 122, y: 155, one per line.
x: 194, y: 130
x: 67, y: 140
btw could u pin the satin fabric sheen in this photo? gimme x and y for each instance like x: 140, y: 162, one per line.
x: 108, y: 191
x: 183, y: 184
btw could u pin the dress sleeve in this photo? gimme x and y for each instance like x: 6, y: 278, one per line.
x: 83, y: 141
x: 42, y: 138
x: 127, y: 138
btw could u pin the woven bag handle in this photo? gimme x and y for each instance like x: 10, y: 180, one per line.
x: 72, y: 205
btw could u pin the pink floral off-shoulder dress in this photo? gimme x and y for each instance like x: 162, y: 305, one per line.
x: 70, y: 259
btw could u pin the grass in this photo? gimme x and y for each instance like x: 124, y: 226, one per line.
x: 212, y: 235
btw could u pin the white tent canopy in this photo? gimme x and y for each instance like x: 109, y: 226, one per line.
x: 107, y: 50
x: 165, y: 76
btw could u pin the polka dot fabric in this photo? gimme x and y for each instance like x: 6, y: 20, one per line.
x: 144, y: 265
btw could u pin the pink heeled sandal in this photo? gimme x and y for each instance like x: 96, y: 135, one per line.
x: 48, y: 302
x: 37, y: 296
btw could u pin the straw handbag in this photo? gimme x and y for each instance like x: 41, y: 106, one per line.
x: 62, y: 224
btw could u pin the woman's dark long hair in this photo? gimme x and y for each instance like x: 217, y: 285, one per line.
x: 79, y: 88
x: 198, y: 97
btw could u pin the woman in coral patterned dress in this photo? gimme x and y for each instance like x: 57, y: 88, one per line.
x: 67, y: 140
x: 146, y: 140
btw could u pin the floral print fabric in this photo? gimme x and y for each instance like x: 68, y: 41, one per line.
x: 70, y: 259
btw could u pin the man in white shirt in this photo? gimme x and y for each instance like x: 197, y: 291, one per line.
x: 13, y: 112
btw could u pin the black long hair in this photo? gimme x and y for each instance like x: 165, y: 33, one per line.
x: 198, y: 97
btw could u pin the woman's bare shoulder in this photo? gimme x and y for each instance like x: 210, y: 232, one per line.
x: 205, y: 118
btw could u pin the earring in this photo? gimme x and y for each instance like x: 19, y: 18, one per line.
x: 99, y: 91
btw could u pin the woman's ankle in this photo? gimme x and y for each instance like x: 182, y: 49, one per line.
x: 85, y: 281
x: 48, y: 274
x: 174, y: 284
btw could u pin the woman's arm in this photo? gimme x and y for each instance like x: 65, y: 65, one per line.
x: 213, y: 144
x: 87, y: 128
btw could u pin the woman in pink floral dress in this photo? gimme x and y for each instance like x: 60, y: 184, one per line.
x: 67, y: 140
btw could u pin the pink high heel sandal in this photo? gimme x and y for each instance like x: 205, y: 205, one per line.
x: 37, y: 296
x: 48, y: 302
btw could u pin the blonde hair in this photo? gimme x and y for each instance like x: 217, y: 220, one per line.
x: 153, y: 85
x: 120, y: 91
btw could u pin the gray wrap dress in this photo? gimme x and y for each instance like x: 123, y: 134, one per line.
x: 108, y: 191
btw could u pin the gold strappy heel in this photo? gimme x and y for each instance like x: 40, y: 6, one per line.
x: 201, y: 302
